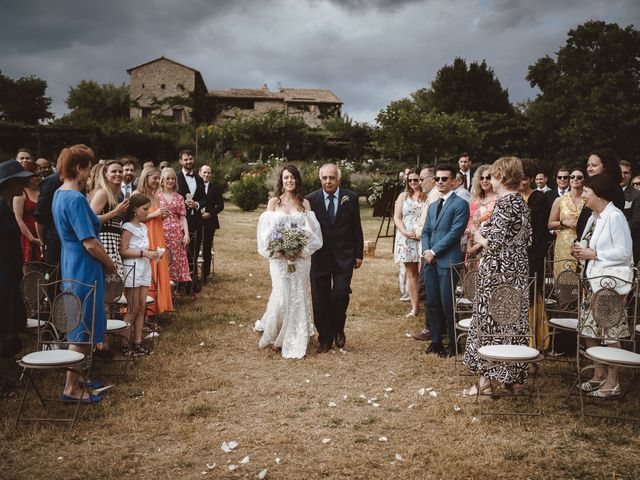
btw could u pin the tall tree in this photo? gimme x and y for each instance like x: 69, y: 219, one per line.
x: 92, y: 101
x: 590, y: 93
x: 24, y: 100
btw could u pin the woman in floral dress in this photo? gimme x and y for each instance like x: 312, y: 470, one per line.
x: 176, y: 231
x: 504, y: 239
x: 483, y: 199
x: 407, y: 245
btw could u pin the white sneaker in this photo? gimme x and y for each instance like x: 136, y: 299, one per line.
x: 405, y: 298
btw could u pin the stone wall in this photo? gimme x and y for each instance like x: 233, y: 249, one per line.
x: 161, y: 79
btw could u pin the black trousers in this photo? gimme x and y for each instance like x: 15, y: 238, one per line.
x: 330, y: 294
x: 207, y: 246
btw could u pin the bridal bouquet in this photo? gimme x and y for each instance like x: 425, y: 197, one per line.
x: 288, y: 240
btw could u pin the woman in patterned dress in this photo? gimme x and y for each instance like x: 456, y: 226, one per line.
x: 176, y: 230
x: 104, y: 203
x: 504, y: 239
x: 483, y: 199
x: 407, y: 246
x: 564, y: 218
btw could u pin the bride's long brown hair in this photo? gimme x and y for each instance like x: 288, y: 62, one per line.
x: 299, y: 193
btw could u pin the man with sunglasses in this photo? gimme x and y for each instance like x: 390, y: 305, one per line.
x: 445, y: 224
x: 631, y: 206
x: 562, y: 182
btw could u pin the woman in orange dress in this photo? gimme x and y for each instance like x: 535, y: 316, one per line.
x: 148, y: 185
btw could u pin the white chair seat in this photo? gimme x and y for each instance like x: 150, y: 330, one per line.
x: 459, y: 290
x: 33, y: 323
x: 464, y: 324
x: 638, y: 328
x: 464, y: 301
x: 565, y: 323
x: 52, y: 358
x: 123, y: 300
x: 114, y: 325
x: 150, y: 300
x: 172, y: 283
x: 508, y: 352
x: 614, y: 355
x: 550, y: 301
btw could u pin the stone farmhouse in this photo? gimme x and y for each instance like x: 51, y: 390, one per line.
x: 162, y: 86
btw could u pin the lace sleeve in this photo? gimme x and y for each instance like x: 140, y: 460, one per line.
x: 315, y: 241
x: 265, y: 224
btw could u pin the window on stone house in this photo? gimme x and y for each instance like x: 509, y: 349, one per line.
x: 162, y: 86
x: 177, y: 115
x: 146, y: 112
x: 143, y: 85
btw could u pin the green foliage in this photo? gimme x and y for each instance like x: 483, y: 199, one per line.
x: 24, y: 100
x: 249, y: 192
x: 355, y: 137
x: 590, y: 94
x: 91, y: 101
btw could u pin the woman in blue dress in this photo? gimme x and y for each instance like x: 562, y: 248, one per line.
x: 83, y: 257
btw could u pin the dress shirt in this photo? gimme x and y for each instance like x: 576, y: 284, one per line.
x: 126, y: 188
x: 336, y: 194
x: 191, y: 181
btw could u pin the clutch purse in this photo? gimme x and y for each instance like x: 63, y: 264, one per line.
x: 619, y: 279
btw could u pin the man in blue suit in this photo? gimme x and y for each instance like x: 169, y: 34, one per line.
x: 446, y: 221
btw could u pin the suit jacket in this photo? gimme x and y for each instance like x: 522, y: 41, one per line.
x: 442, y: 234
x: 585, y: 214
x: 215, y: 204
x: 194, y: 217
x: 552, y: 195
x: 343, y: 241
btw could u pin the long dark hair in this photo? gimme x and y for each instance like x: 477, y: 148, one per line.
x: 293, y: 170
x: 136, y: 201
x: 610, y: 163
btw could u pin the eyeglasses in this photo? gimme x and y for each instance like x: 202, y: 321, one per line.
x: 635, y: 184
x: 563, y: 177
x: 413, y: 180
x: 488, y: 177
x: 576, y: 177
x: 441, y: 179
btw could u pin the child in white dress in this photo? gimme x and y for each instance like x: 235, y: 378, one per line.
x: 136, y: 258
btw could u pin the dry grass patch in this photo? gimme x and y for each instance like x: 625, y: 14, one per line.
x: 208, y: 383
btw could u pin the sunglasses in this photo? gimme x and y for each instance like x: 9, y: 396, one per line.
x: 422, y: 179
x: 441, y: 179
x: 488, y: 177
x: 563, y: 177
x: 576, y: 177
x: 635, y: 184
x: 413, y: 180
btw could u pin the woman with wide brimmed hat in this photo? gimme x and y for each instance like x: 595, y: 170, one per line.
x: 13, y: 179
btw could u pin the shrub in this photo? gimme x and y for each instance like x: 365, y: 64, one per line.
x: 249, y: 192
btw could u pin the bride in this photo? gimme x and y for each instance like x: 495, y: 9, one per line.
x: 287, y: 323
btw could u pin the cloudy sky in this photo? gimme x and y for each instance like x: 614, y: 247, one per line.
x: 368, y: 52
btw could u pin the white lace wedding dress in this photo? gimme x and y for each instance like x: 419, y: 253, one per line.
x: 288, y: 320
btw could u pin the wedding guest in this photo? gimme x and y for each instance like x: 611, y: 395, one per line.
x: 23, y: 208
x: 45, y: 226
x: 129, y: 180
x: 406, y: 215
x: 483, y: 199
x: 148, y: 164
x: 464, y: 165
x: 148, y: 186
x: 163, y: 164
x: 605, y: 243
x: 602, y: 161
x: 631, y: 206
x: 84, y: 259
x: 541, y: 182
x: 24, y: 155
x: 13, y: 180
x: 505, y: 238
x: 104, y: 203
x: 562, y: 182
x: 45, y: 167
x: 134, y: 249
x: 563, y: 220
x: 460, y: 189
x: 441, y: 234
x: 636, y: 182
x: 214, y: 205
x: 174, y: 226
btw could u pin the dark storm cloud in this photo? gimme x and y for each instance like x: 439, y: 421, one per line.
x: 368, y: 52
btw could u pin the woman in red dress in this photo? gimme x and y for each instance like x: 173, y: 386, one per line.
x: 23, y: 208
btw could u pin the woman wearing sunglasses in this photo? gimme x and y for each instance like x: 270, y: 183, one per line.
x: 406, y: 216
x: 563, y: 219
x: 483, y: 198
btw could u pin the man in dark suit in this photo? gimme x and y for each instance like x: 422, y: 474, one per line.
x: 445, y: 224
x: 191, y: 187
x: 332, y: 266
x: 631, y: 206
x: 562, y: 182
x: 215, y: 204
x: 464, y: 162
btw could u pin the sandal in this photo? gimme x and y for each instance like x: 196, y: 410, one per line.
x: 486, y: 390
x: 605, y: 392
x: 139, y: 349
x: 592, y: 385
x: 125, y: 349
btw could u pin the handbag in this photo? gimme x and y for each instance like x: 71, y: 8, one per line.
x: 611, y: 277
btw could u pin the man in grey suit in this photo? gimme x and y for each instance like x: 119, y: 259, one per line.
x: 446, y: 221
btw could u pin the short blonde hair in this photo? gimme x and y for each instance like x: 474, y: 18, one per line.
x: 508, y: 171
x: 164, y: 173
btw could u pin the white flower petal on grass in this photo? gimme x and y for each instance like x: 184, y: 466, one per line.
x: 332, y: 404
x: 474, y: 420
x: 392, y: 372
x: 374, y: 399
x: 232, y: 467
x: 251, y: 274
x: 228, y: 447
x: 232, y: 322
x: 344, y: 397
x: 278, y: 460
x: 211, y: 466
x: 412, y: 405
x: 456, y: 408
x: 60, y: 458
x: 421, y: 392
x: 433, y: 393
x: 376, y: 405
x: 326, y: 440
x: 399, y: 457
x: 383, y: 439
x: 408, y: 335
x: 429, y: 389
x: 245, y: 460
x: 307, y: 381
x: 362, y: 396
x: 388, y: 389
x: 263, y: 474
x: 327, y: 374
x: 258, y: 296
x: 241, y: 325
x: 202, y: 344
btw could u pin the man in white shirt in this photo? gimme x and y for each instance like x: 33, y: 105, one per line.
x: 541, y: 182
